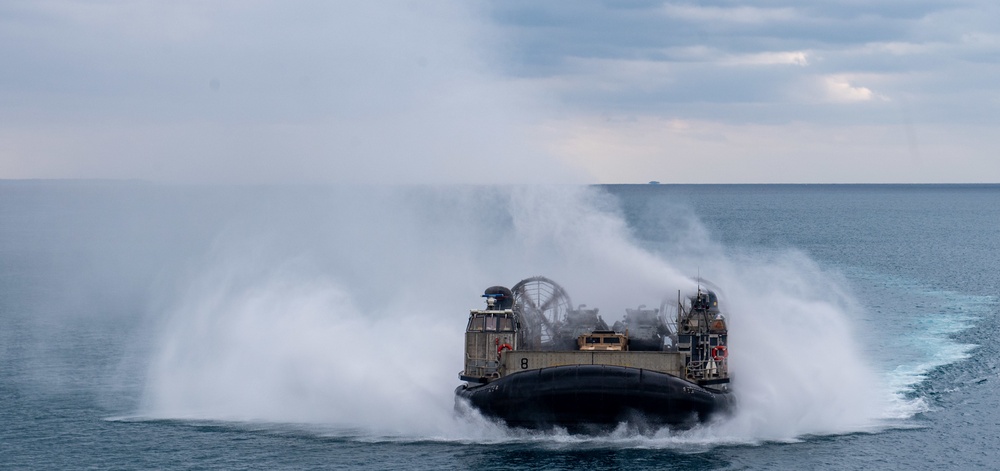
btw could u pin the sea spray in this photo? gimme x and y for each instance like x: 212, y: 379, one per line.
x: 356, y: 321
x: 800, y: 367
x: 291, y: 349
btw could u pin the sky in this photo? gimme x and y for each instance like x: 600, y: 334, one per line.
x: 505, y: 92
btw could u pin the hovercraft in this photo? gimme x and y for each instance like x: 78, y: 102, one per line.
x: 533, y: 361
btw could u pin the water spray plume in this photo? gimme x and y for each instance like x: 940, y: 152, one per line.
x: 356, y: 322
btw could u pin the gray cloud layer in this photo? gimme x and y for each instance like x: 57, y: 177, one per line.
x: 694, y: 57
x: 513, y: 91
x: 258, y: 91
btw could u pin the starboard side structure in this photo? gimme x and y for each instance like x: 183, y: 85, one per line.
x: 534, y: 361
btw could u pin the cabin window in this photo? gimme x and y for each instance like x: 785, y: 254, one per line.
x: 612, y: 340
x: 506, y: 324
x: 476, y: 324
x: 491, y: 324
x: 593, y: 340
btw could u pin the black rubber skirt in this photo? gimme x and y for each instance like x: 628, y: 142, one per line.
x: 577, y: 396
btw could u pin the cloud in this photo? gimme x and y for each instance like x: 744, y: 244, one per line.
x: 403, y: 91
x: 695, y: 44
x: 800, y: 58
x: 730, y: 15
x: 649, y: 147
x: 840, y: 90
x: 396, y: 92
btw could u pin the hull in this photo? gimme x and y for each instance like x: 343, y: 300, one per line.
x: 575, y: 396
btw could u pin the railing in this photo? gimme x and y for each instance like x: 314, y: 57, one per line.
x: 482, y: 368
x: 708, y: 369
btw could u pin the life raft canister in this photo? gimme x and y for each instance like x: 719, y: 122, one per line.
x: 719, y: 352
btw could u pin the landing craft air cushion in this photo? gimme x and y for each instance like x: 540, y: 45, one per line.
x: 533, y: 361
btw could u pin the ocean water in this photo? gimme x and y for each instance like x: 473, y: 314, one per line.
x: 296, y: 327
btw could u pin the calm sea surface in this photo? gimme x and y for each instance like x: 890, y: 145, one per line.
x: 152, y: 326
